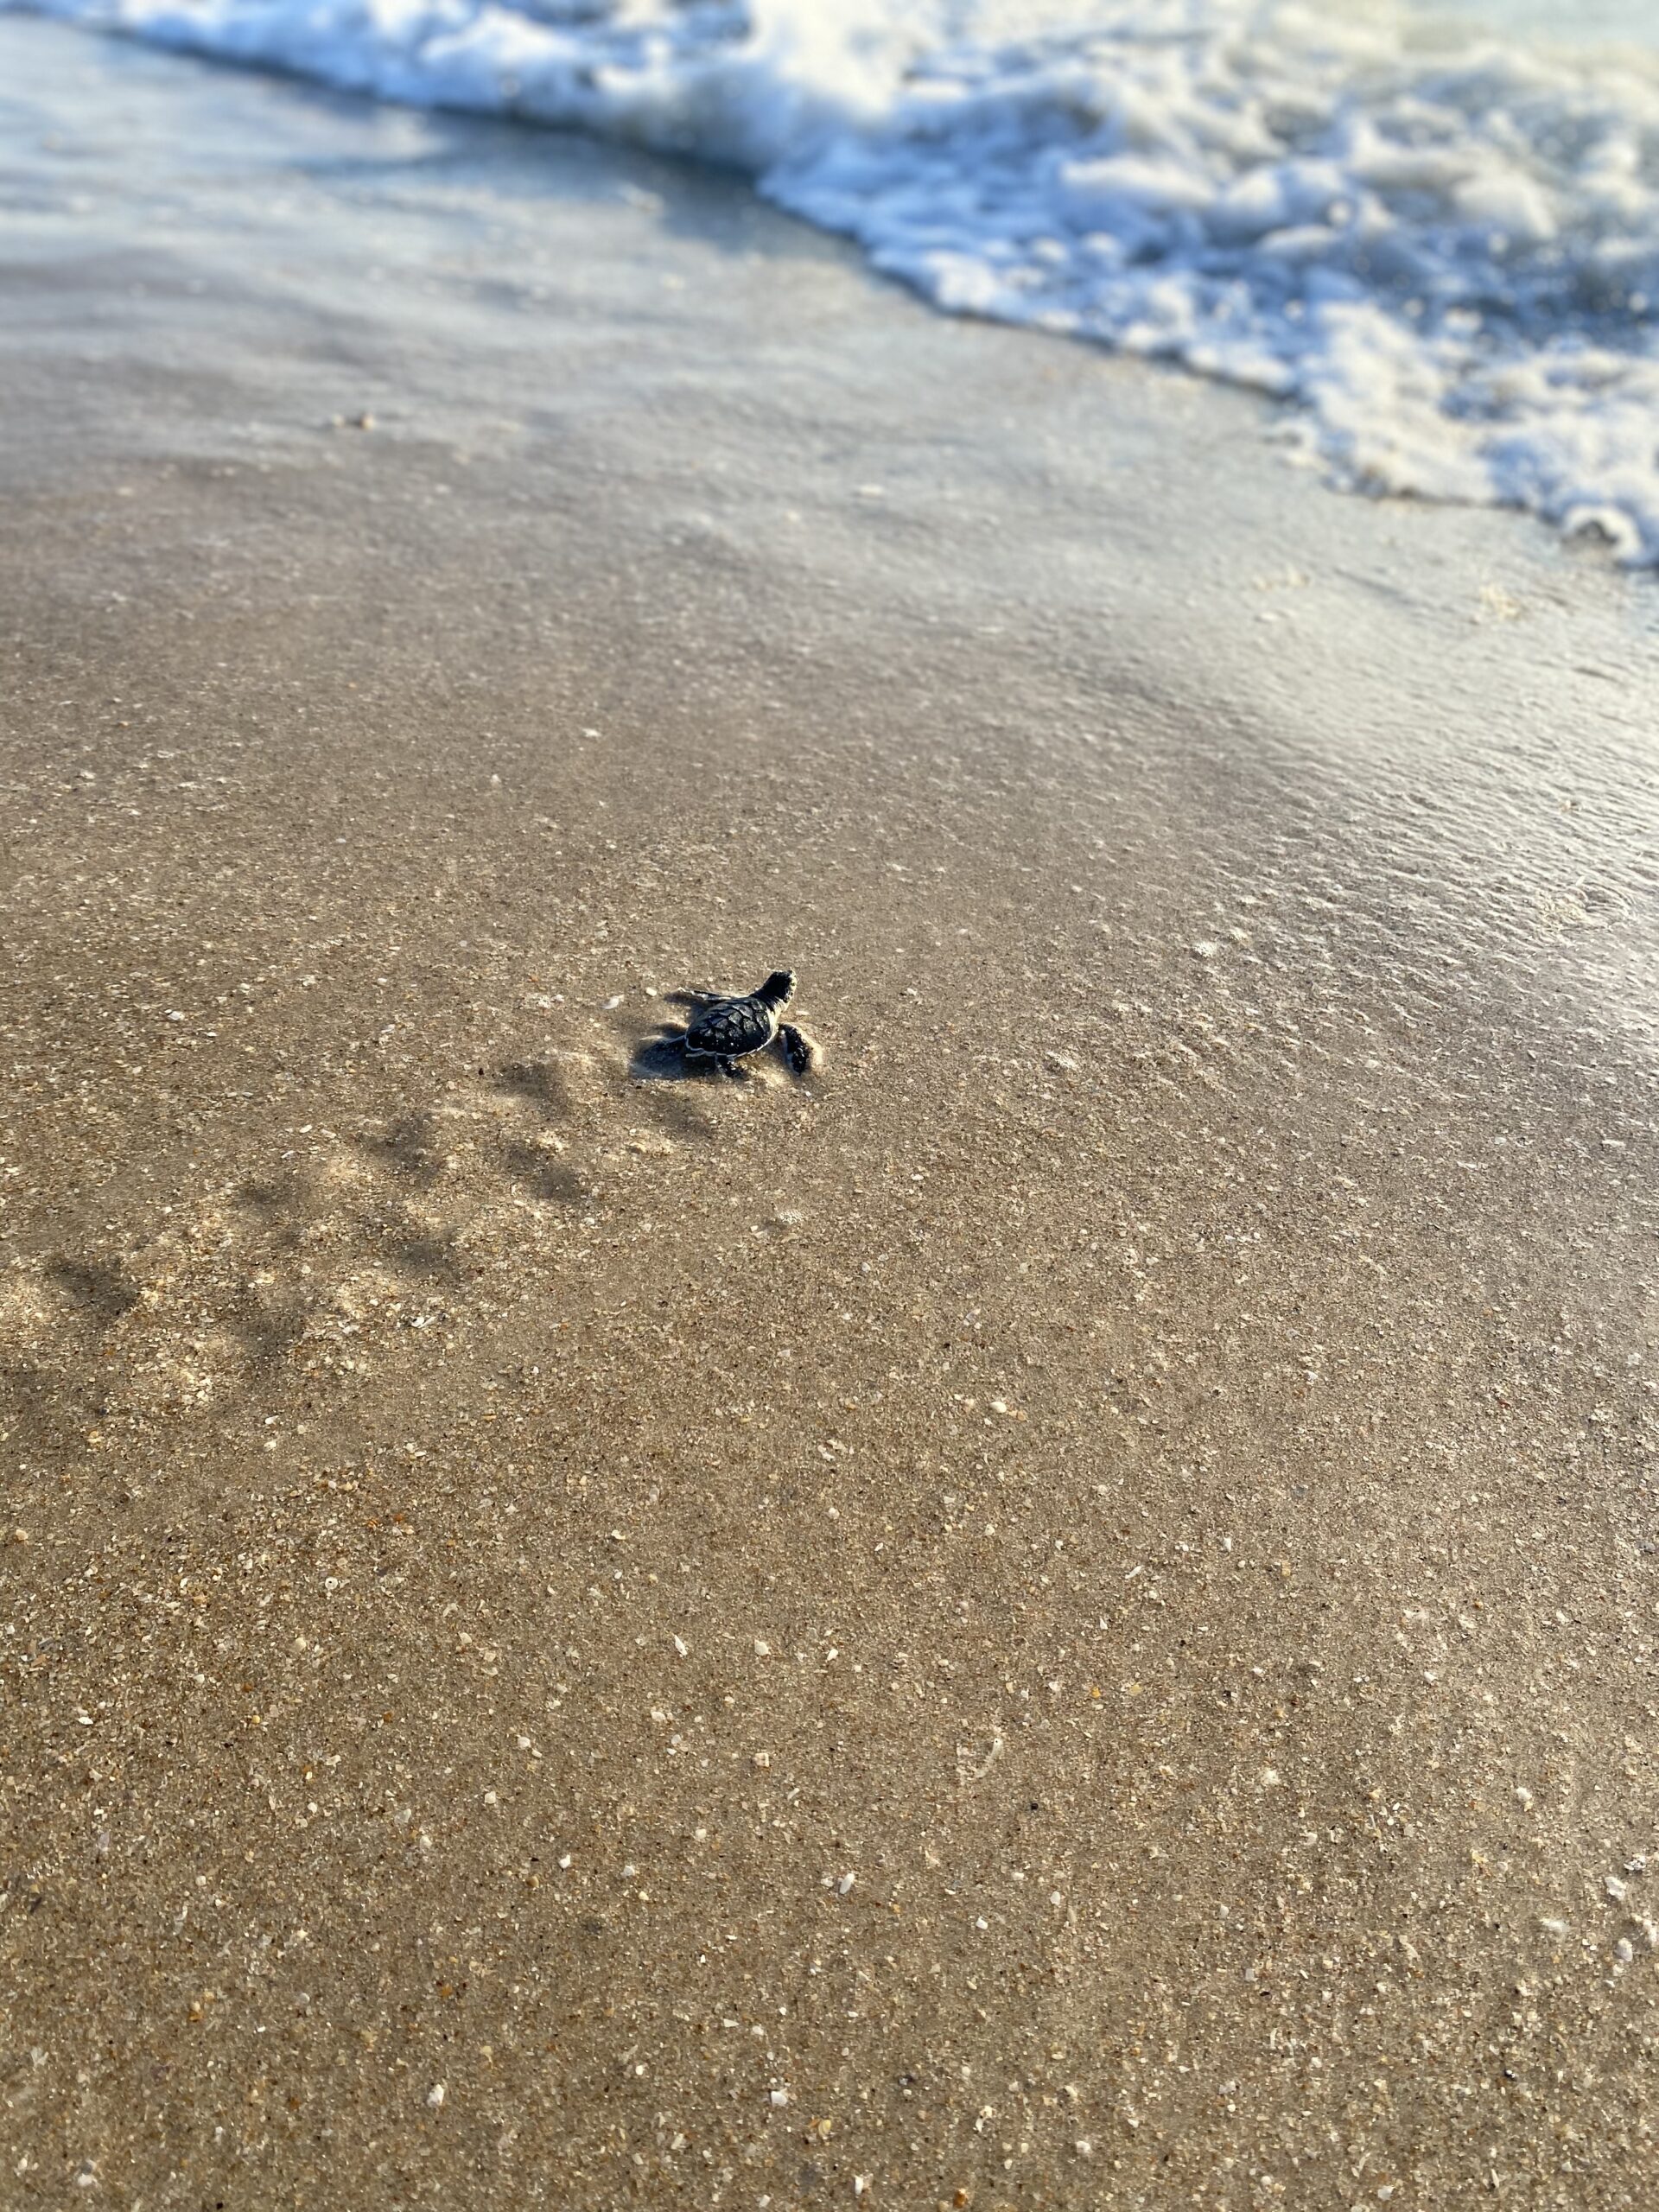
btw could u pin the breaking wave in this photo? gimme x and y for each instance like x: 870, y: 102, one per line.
x: 1438, y: 244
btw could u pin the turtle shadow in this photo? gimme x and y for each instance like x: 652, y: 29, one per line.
x: 660, y: 1057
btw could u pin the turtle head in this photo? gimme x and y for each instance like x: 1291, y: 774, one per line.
x: 779, y: 987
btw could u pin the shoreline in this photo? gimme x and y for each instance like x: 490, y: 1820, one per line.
x: 1451, y: 329
x: 1153, y: 1429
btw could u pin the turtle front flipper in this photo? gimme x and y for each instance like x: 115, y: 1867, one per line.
x: 701, y: 999
x: 729, y: 1068
x: 798, y: 1049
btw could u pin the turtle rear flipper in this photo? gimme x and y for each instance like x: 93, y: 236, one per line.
x: 798, y: 1049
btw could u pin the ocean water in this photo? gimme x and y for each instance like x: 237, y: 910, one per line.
x: 1432, y: 233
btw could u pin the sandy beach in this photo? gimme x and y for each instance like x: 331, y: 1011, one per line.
x: 1062, y: 1615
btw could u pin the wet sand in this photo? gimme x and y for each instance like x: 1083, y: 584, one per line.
x: 1063, y: 1615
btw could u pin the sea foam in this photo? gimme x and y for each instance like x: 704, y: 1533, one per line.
x: 1438, y: 247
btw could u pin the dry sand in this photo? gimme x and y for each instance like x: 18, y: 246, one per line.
x: 1064, y: 1616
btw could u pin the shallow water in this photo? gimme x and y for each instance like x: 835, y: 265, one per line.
x: 1437, y: 245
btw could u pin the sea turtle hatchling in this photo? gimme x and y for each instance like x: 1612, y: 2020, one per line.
x: 729, y: 1029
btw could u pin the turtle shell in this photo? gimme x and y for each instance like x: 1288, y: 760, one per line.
x: 739, y: 1026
